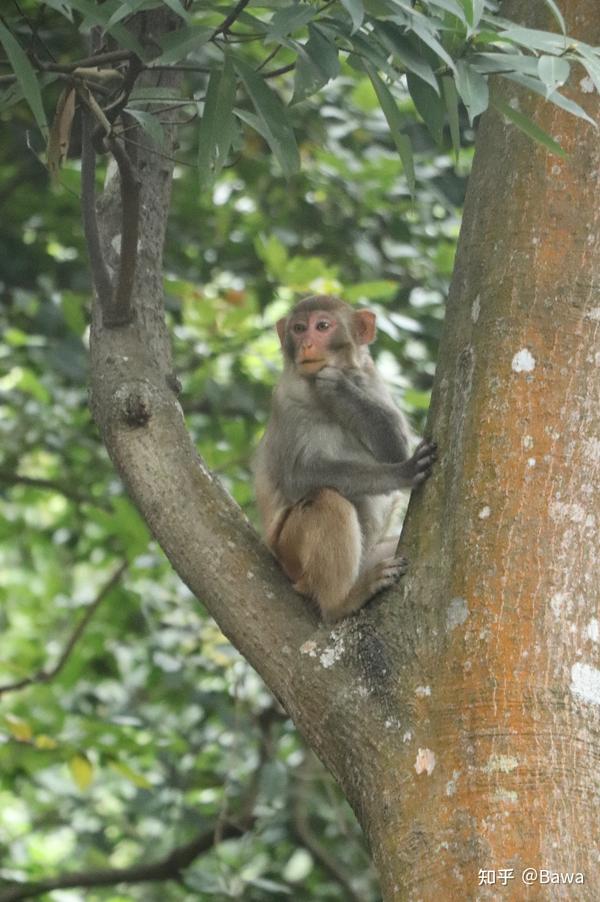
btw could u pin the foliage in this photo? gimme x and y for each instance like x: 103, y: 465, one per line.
x: 146, y: 728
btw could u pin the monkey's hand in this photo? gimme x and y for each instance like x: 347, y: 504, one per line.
x: 418, y: 467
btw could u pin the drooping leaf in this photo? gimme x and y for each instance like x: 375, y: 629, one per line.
x: 530, y: 128
x: 428, y: 34
x: 317, y: 64
x: 557, y: 14
x: 216, y: 126
x: 271, y: 111
x: 60, y: 131
x: 473, y: 89
x: 451, y: 100
x: 565, y: 103
x: 399, y: 45
x: 357, y: 12
x: 429, y: 104
x: 394, y: 120
x: 25, y: 76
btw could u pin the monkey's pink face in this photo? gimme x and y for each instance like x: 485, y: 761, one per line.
x: 312, y: 337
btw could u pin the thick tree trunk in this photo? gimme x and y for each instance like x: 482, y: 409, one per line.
x: 506, y: 581
x: 460, y: 713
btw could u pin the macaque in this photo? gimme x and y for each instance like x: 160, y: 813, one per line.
x: 333, y: 456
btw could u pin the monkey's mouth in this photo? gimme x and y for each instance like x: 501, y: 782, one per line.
x: 312, y: 365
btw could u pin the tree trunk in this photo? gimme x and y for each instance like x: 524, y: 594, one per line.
x: 460, y: 712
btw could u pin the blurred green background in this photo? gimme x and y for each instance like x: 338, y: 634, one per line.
x: 154, y: 729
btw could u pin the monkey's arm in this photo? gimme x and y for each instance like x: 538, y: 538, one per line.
x: 354, y: 479
x: 356, y: 406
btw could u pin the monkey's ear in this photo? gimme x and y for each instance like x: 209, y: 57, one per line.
x: 280, y: 326
x: 365, y: 326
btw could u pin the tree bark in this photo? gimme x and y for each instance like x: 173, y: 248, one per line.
x: 460, y: 712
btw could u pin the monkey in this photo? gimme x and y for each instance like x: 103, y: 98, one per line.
x: 333, y: 456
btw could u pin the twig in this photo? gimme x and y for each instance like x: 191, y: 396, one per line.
x: 302, y: 829
x: 44, y: 676
x: 225, y: 25
x: 168, y: 868
x: 7, y: 478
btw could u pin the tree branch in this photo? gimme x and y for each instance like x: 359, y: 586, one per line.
x: 11, y: 479
x: 45, y: 676
x: 100, y: 275
x: 168, y: 868
x: 226, y: 24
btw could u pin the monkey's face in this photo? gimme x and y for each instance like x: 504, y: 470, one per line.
x: 315, y: 336
x: 315, y: 340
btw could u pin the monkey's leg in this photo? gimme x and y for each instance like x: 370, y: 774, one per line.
x: 320, y: 548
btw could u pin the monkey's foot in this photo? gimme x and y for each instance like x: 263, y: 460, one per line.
x: 386, y: 573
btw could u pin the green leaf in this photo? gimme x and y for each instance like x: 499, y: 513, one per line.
x: 100, y: 15
x: 357, y: 12
x: 63, y: 7
x: 473, y: 11
x: 565, y: 103
x: 394, y: 120
x: 271, y: 111
x: 177, y: 7
x: 451, y: 101
x: 529, y: 127
x: 399, y: 45
x: 216, y: 126
x: 533, y: 39
x: 427, y: 33
x: 290, y: 19
x: 450, y: 6
x: 473, y: 89
x: 557, y: 14
x: 25, y: 76
x: 430, y: 106
x: 133, y: 776
x: 504, y: 62
x: 150, y: 123
x: 178, y: 44
x: 553, y: 71
x: 317, y: 64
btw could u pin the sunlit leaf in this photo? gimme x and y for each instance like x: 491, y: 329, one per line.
x: 82, y: 771
x: 18, y: 728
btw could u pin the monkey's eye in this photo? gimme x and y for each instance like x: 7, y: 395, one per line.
x: 323, y: 325
x: 298, y: 327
